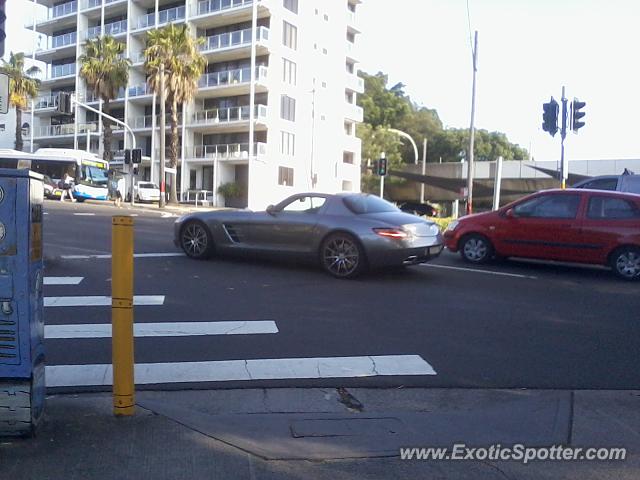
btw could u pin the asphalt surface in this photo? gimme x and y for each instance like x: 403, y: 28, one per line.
x: 507, y: 325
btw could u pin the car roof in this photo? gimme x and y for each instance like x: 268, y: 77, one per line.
x: 592, y: 191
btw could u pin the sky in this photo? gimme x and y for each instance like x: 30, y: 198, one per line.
x: 527, y: 51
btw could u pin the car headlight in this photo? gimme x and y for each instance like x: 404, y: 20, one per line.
x: 434, y: 230
x: 452, y: 226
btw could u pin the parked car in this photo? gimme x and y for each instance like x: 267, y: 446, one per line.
x: 627, y: 182
x: 420, y: 209
x: 573, y: 225
x: 344, y: 233
x: 146, y: 192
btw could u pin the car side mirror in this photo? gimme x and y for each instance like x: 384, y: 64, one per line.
x: 271, y: 210
x: 509, y: 213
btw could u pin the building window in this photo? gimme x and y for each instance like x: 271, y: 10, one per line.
x: 326, y: 17
x: 350, y: 67
x: 325, y: 51
x: 348, y: 96
x: 285, y: 176
x: 289, y: 72
x: 288, y: 108
x: 289, y: 35
x: 291, y: 5
x: 347, y: 186
x: 3, y: 126
x: 348, y: 128
x: 347, y: 157
x: 351, y: 38
x: 287, y: 143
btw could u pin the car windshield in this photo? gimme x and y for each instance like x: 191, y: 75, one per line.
x: 146, y: 185
x: 361, y: 204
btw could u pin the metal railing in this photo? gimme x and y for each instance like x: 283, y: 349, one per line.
x: 215, y: 6
x: 46, y: 101
x: 164, y: 16
x: 234, y: 151
x: 146, y: 121
x: 64, y: 129
x: 91, y: 97
x: 138, y: 57
x: 139, y: 90
x: 231, y: 77
x: 232, y: 39
x: 227, y: 115
x: 87, y: 4
x: 114, y: 28
x: 63, y: 70
x: 63, y: 40
x: 63, y: 9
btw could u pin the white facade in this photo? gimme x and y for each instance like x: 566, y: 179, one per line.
x: 304, y: 89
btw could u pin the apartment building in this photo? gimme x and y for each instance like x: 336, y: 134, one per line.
x: 299, y: 71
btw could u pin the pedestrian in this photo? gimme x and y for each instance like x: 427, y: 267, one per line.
x: 67, y: 187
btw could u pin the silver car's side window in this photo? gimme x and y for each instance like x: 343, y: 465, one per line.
x: 309, y: 204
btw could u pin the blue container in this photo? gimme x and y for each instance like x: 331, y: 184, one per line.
x: 22, y: 386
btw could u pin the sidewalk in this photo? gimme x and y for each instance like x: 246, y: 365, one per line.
x: 322, y: 433
x: 180, y: 209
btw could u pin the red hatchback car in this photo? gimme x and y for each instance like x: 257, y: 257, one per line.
x: 573, y: 225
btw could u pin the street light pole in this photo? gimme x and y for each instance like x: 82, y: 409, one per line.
x: 472, y: 129
x: 424, y: 169
x: 162, y: 201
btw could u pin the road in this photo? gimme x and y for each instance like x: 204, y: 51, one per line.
x: 506, y: 325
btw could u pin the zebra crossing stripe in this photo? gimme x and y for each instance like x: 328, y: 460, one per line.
x: 62, y: 280
x: 99, y: 301
x: 177, y: 329
x: 243, y: 370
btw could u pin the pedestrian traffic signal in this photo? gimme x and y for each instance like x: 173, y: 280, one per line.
x: 382, y: 167
x: 136, y: 155
x: 550, y: 116
x: 576, y: 115
x: 127, y: 157
x: 64, y: 103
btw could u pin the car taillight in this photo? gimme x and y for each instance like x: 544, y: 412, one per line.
x: 391, y: 232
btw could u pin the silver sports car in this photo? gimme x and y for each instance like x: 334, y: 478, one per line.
x: 345, y: 233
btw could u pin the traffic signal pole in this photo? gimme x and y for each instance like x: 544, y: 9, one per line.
x: 564, y: 167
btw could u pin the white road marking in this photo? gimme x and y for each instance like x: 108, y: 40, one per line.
x: 135, y: 255
x: 488, y: 272
x: 99, y: 301
x: 235, y: 370
x: 181, y: 329
x: 84, y: 214
x: 62, y: 280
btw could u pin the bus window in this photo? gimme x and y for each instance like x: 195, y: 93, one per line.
x: 93, y: 175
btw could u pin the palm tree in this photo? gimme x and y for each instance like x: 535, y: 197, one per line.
x: 174, y: 47
x: 22, y: 88
x: 106, y: 71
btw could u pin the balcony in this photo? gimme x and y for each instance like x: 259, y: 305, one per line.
x: 88, y: 4
x: 57, y: 47
x: 164, y: 16
x: 237, y: 41
x: 232, y: 82
x: 114, y: 29
x: 226, y: 118
x: 63, y: 10
x: 212, y: 13
x: 66, y: 129
x: 46, y: 102
x: 140, y: 90
x: 354, y: 112
x: 91, y: 97
x: 55, y: 18
x: 355, y: 83
x: 146, y: 121
x: 57, y: 72
x: 237, y: 152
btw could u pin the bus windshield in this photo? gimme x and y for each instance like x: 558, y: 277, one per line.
x: 93, y: 175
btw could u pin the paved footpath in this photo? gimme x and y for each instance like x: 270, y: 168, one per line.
x: 323, y: 433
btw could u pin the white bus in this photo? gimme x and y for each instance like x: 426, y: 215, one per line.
x: 90, y: 172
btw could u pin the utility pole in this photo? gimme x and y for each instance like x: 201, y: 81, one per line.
x: 564, y: 168
x: 472, y: 129
x: 424, y: 168
x: 162, y: 201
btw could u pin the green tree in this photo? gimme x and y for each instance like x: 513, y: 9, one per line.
x: 382, y: 107
x: 178, y: 51
x: 22, y: 88
x: 106, y: 71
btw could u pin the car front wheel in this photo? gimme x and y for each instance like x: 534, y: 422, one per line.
x: 342, y: 256
x: 626, y: 263
x: 196, y: 241
x: 476, y: 248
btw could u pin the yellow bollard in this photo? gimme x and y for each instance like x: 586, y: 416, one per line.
x: 122, y: 315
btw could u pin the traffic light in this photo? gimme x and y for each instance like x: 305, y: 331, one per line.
x: 550, y: 116
x: 127, y: 157
x: 576, y: 115
x: 136, y: 155
x: 382, y: 167
x: 64, y: 103
x: 3, y: 35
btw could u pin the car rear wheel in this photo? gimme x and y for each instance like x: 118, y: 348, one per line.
x: 196, y: 240
x: 342, y: 256
x: 476, y: 248
x: 626, y: 263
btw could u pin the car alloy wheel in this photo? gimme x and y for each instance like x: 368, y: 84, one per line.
x: 476, y: 249
x: 626, y: 263
x: 342, y: 256
x: 196, y: 241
